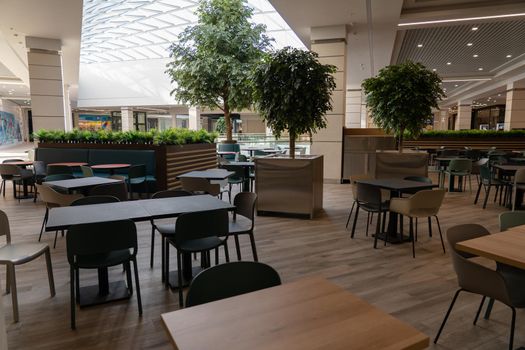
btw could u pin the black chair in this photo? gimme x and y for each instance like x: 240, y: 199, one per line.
x: 39, y: 171
x: 117, y: 189
x: 137, y: 178
x: 98, y: 246
x: 58, y: 177
x: 165, y: 230
x: 369, y: 199
x: 487, y: 180
x: 230, y: 279
x: 59, y: 169
x: 95, y: 200
x: 243, y: 221
x: 197, y: 232
x: 235, y: 179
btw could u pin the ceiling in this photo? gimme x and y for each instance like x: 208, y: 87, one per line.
x: 126, y: 30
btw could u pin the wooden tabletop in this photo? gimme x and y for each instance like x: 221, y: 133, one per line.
x: 506, y: 247
x: 20, y: 163
x: 110, y: 166
x: 83, y: 182
x: 398, y: 184
x: 210, y: 174
x: 310, y: 313
x: 72, y: 164
x: 509, y: 167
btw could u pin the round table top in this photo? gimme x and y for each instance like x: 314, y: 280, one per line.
x: 68, y: 164
x: 110, y: 166
x: 20, y: 163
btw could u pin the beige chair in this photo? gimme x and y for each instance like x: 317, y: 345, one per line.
x: 423, y: 204
x: 198, y: 185
x: 506, y: 284
x: 518, y: 186
x: 17, y: 254
x: 87, y: 171
x: 53, y: 199
x: 511, y: 219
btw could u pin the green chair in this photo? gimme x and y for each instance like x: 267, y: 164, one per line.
x: 137, y: 178
x: 236, y: 179
x: 460, y: 168
x: 229, y: 147
x: 511, y: 219
x: 487, y: 181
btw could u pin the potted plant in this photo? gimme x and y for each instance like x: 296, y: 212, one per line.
x: 292, y: 93
x: 400, y: 100
x: 212, y: 61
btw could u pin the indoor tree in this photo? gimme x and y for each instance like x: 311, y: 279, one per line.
x: 293, y: 92
x: 212, y: 61
x: 401, y: 97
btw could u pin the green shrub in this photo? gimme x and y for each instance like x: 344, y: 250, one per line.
x: 472, y: 134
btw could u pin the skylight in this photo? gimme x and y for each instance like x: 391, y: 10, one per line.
x: 125, y: 30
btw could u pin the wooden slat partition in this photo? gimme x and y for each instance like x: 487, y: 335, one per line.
x: 514, y: 143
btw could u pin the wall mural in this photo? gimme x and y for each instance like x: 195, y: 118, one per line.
x: 9, y: 129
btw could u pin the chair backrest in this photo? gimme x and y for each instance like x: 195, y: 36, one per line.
x: 242, y: 158
x: 95, y: 200
x: 428, y: 201
x: 230, y: 279
x: 58, y: 169
x: 202, y: 224
x: 100, y: 238
x: 137, y: 171
x: 9, y: 170
x: 368, y: 194
x: 239, y: 171
x: 117, y: 189
x: 448, y: 153
x: 39, y: 168
x: 194, y: 184
x: 58, y: 177
x: 87, y: 171
x: 170, y: 194
x: 511, y: 219
x: 460, y: 165
x: 485, y: 174
x: 353, y: 182
x: 419, y: 179
x: 4, y: 226
x: 245, y: 205
x: 53, y: 198
x: 519, y: 177
x: 117, y: 177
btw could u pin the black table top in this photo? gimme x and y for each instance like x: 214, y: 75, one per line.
x: 82, y: 182
x: 398, y: 184
x: 139, y: 210
x: 509, y: 167
x: 210, y: 174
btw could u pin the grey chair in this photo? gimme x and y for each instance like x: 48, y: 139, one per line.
x: 102, y: 245
x: 13, y: 254
x: 461, y: 168
x: 117, y: 189
x: 17, y: 175
x: 505, y: 284
x: 511, y: 219
x: 230, y: 279
x: 94, y: 200
x: 243, y: 221
x: 518, y: 187
x: 487, y: 181
x: 165, y: 230
x: 5, y: 174
x: 137, y: 178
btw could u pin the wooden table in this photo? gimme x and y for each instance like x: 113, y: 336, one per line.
x: 82, y: 183
x: 110, y: 167
x: 506, y: 247
x: 210, y: 174
x: 310, y: 313
x: 509, y: 168
x: 396, y: 188
x: 20, y: 163
x: 70, y: 164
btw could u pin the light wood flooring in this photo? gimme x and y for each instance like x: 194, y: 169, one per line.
x: 417, y: 291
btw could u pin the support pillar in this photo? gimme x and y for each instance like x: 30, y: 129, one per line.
x: 515, y: 106
x: 127, y: 119
x: 195, y: 119
x: 45, y: 79
x: 464, y: 118
x: 330, y: 44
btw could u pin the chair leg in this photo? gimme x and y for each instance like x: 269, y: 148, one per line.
x: 179, y: 276
x: 55, y: 242
x: 446, y: 315
x: 378, y: 226
x: 487, y: 193
x: 477, y: 193
x: 72, y: 294
x: 355, y: 220
x: 416, y: 230
x: 254, y: 249
x: 152, y: 244
x: 7, y: 280
x: 137, y: 285
x: 440, y: 235
x: 412, y: 237
x: 489, y: 309
x: 237, y: 247
x: 46, y: 215
x: 14, y: 294
x: 429, y: 227
x: 163, y: 256
x: 127, y: 267
x: 367, y: 223
x: 226, y: 253
x: 350, y: 214
x: 50, y: 272
x: 512, y: 327
x: 166, y: 263
x: 479, y: 310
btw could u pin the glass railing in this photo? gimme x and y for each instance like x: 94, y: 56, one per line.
x: 262, y: 141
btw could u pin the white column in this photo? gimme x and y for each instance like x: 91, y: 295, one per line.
x: 195, y: 118
x: 515, y: 106
x: 354, y: 108
x: 127, y: 119
x: 68, y: 116
x: 464, y: 118
x: 45, y: 80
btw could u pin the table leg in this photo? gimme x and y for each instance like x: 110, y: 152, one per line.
x: 104, y: 292
x: 188, y: 271
x: 451, y: 183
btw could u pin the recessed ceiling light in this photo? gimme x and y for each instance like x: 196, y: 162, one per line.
x: 475, y: 55
x: 456, y: 85
x: 480, y: 68
x: 474, y: 28
x: 419, y: 45
x: 499, y: 95
x: 508, y: 56
x: 434, y: 69
x: 449, y: 63
x: 469, y: 44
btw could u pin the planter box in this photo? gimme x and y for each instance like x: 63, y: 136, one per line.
x: 398, y: 165
x: 170, y: 160
x: 289, y: 186
x: 507, y: 143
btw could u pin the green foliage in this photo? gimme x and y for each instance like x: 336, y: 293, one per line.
x: 293, y: 92
x: 401, y: 98
x: 166, y: 137
x: 213, y: 60
x: 220, y: 126
x: 472, y: 134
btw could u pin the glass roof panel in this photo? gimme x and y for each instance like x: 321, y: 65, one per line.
x: 124, y: 30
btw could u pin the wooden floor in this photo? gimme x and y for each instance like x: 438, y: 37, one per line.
x: 417, y: 291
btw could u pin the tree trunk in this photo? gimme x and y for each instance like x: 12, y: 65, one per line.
x: 228, y: 121
x: 400, y: 146
x: 292, y: 144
